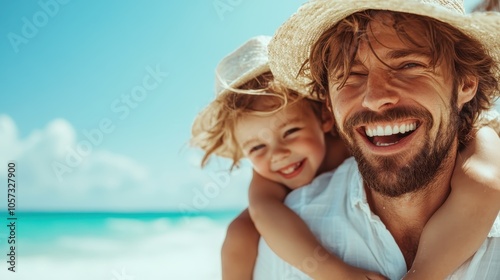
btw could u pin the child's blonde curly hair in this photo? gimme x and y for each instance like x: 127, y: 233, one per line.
x: 214, y: 128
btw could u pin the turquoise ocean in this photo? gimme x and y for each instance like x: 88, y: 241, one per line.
x: 114, y: 246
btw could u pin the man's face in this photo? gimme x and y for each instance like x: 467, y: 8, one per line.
x: 397, y: 113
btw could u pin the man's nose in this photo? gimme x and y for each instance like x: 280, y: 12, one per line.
x: 380, y: 94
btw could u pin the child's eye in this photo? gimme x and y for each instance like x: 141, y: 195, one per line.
x: 256, y: 148
x: 290, y: 131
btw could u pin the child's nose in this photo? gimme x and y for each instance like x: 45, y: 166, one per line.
x: 279, y: 153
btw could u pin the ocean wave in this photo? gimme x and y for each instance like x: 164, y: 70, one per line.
x: 130, y: 250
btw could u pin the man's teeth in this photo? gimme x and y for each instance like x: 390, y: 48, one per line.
x: 390, y: 130
x: 290, y: 169
x: 379, y: 144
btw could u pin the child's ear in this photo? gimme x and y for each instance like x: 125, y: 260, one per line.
x: 327, y: 121
x: 466, y: 90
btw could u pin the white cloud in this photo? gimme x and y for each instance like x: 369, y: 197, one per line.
x: 56, y: 145
x: 58, y: 171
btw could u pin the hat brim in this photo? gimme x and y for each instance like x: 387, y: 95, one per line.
x: 291, y: 44
x: 245, y: 77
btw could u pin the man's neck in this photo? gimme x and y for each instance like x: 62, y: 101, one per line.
x: 336, y: 153
x: 406, y: 216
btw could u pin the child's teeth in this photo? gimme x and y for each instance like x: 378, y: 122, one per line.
x: 288, y: 170
x: 291, y: 168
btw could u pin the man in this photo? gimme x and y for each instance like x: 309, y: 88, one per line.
x: 405, y: 90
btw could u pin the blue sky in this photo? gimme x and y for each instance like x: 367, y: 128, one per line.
x: 98, y: 98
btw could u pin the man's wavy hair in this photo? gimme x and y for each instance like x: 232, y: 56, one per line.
x: 336, y: 48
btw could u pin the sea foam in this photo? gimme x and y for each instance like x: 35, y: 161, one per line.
x: 131, y: 249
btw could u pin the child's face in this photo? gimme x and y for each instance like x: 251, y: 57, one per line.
x: 287, y: 147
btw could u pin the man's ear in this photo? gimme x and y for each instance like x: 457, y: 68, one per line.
x: 467, y: 90
x: 328, y: 104
x: 327, y: 121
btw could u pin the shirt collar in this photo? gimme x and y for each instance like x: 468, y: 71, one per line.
x: 357, y: 191
x: 358, y: 199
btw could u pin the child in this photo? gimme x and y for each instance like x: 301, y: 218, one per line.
x: 287, y: 138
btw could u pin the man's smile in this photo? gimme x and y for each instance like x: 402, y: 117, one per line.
x: 388, y: 137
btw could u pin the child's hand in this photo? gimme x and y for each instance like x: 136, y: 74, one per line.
x: 479, y: 162
x: 367, y: 275
x: 358, y: 273
x: 459, y: 227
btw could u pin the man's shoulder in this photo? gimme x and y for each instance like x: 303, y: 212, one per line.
x: 495, y: 229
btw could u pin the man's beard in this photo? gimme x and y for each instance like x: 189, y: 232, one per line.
x: 393, y: 175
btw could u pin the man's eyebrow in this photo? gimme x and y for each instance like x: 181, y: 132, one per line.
x: 395, y: 54
x: 356, y: 62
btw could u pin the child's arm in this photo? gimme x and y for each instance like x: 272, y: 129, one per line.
x: 239, y: 250
x: 290, y: 238
x: 459, y: 227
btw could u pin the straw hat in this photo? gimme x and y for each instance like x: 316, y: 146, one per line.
x: 247, y: 62
x: 291, y: 44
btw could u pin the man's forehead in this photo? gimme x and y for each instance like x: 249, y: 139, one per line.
x: 388, y: 53
x: 382, y: 37
x: 382, y: 27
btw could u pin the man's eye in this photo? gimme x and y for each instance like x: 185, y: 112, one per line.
x: 342, y: 75
x: 411, y: 65
x: 256, y: 148
x: 356, y: 74
x: 290, y: 131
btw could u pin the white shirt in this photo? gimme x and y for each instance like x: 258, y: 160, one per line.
x: 335, y: 208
